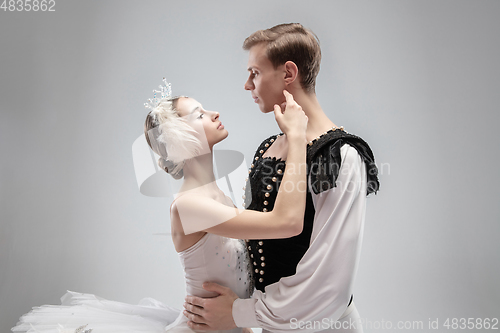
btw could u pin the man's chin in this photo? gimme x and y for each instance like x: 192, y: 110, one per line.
x: 265, y: 110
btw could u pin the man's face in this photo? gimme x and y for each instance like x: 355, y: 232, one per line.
x: 264, y: 82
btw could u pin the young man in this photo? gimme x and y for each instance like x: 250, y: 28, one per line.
x: 304, y: 282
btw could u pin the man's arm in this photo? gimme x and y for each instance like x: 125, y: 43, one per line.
x: 322, y: 285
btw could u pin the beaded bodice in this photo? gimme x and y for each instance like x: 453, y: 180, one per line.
x: 273, y: 259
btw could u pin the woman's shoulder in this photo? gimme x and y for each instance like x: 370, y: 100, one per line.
x: 199, y: 212
x: 190, y: 197
x: 187, y: 200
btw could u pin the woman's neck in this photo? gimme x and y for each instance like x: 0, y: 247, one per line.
x: 199, y: 174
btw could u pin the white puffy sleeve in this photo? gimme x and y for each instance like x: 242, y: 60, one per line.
x: 322, y: 285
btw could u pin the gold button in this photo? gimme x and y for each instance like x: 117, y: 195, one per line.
x: 272, y: 140
x: 266, y: 145
x: 261, y: 258
x: 269, y: 187
x: 249, y: 171
x: 243, y: 205
x: 243, y: 196
x: 244, y: 188
x: 261, y: 280
x: 249, y: 248
x: 275, y: 179
x: 251, y: 255
x: 257, y: 158
x: 261, y: 151
x: 254, y: 263
x: 260, y: 250
x: 264, y: 210
x: 261, y: 243
x: 267, y: 195
x: 265, y: 203
x: 251, y: 166
x: 261, y: 272
x: 263, y: 264
x: 256, y: 270
x: 246, y: 179
x: 280, y: 171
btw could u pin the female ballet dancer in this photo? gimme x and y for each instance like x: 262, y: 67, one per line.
x: 206, y: 226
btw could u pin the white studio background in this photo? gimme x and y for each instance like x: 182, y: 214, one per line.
x: 418, y: 80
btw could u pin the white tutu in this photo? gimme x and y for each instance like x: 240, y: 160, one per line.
x: 212, y: 258
x: 100, y: 316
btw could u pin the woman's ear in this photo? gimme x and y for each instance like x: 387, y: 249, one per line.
x: 291, y: 72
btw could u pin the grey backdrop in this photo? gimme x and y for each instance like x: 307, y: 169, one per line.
x: 417, y: 79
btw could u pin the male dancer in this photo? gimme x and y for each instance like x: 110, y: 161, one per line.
x: 303, y: 282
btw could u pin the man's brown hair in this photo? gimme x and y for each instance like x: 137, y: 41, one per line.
x: 291, y: 42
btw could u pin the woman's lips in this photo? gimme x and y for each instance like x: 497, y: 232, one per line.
x: 220, y: 126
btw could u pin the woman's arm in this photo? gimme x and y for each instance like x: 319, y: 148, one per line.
x: 198, y: 213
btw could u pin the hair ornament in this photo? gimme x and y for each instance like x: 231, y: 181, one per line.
x: 158, y: 104
x: 165, y: 93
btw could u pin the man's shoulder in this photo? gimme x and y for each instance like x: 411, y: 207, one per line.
x: 325, y: 159
x: 335, y: 139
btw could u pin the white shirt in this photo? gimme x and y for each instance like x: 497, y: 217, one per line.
x: 322, y: 285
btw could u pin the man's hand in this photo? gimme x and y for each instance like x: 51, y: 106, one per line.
x: 209, y: 314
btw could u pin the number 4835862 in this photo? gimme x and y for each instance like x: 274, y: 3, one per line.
x: 28, y: 5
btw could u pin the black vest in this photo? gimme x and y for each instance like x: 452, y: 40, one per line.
x: 273, y: 259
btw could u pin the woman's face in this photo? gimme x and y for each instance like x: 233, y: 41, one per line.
x: 205, y: 123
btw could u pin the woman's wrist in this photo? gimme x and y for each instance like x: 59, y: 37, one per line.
x: 296, y: 138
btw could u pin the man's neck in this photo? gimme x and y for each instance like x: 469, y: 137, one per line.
x: 318, y: 122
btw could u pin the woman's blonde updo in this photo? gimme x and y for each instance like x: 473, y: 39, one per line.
x: 171, y: 137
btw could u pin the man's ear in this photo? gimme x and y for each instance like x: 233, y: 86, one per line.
x: 291, y: 72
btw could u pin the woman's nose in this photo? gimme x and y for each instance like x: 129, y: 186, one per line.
x: 215, y: 115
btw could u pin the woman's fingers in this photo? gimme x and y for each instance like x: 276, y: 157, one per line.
x: 277, y: 113
x: 290, y: 101
x: 283, y: 107
x: 288, y: 96
x: 290, y: 116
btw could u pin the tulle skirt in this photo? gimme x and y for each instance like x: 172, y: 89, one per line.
x: 85, y: 313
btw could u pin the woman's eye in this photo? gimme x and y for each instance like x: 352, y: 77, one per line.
x: 200, y: 116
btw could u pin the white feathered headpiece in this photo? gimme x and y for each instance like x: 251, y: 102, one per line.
x: 174, y: 137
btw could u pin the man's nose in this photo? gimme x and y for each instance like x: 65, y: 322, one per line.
x: 249, y: 85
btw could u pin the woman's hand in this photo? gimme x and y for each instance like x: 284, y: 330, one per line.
x: 292, y: 120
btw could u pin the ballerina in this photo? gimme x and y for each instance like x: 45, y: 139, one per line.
x: 206, y: 226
